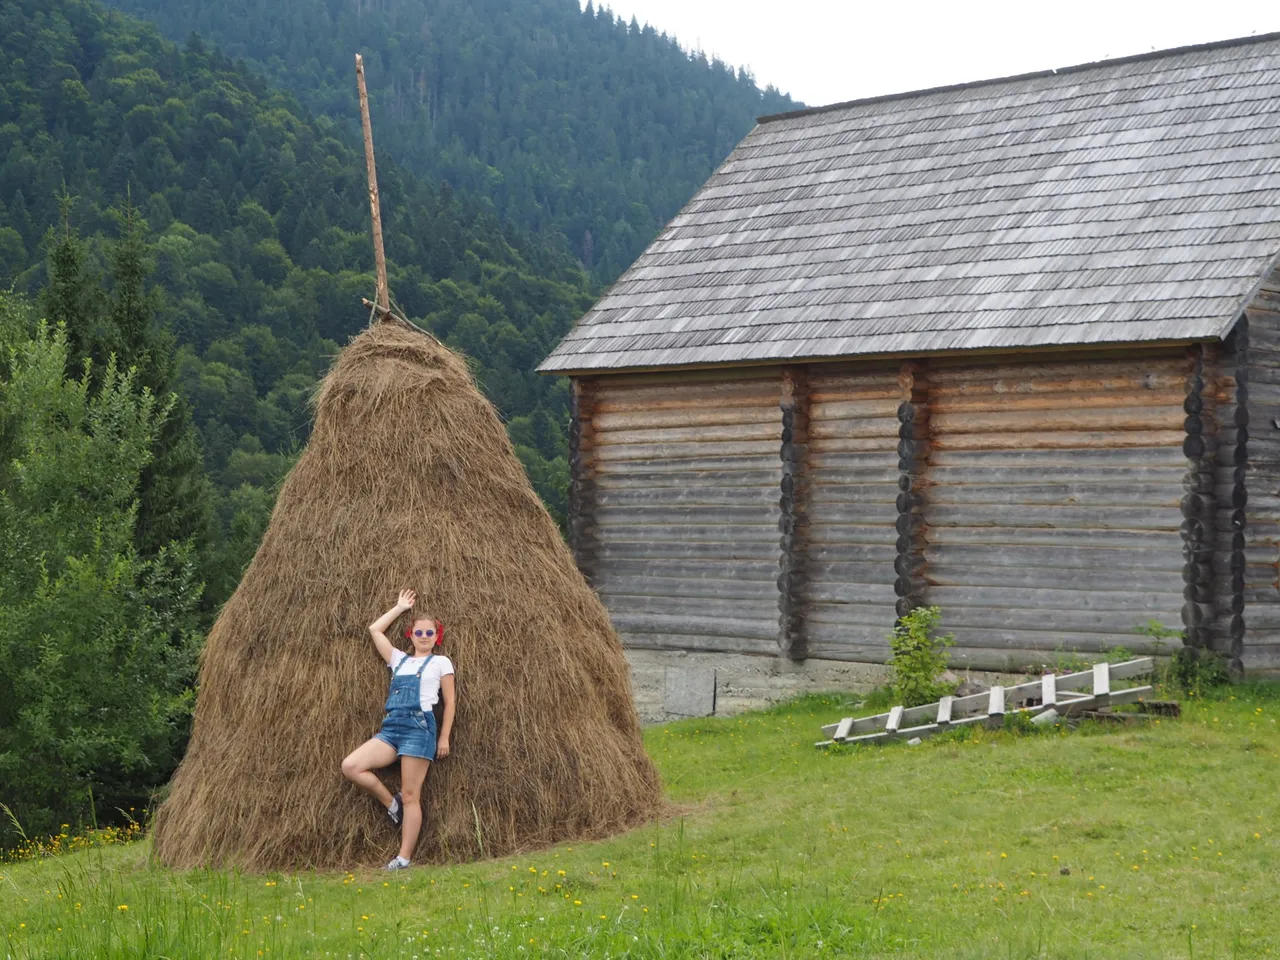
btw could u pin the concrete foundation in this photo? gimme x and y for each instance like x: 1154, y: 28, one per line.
x: 669, y: 684
x: 675, y: 684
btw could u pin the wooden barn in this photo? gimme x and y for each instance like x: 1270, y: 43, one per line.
x: 1010, y: 347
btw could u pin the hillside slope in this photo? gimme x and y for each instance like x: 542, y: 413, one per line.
x: 258, y: 224
x: 1114, y: 842
x: 569, y: 121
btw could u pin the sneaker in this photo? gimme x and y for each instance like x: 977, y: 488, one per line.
x: 396, y: 811
x: 399, y: 863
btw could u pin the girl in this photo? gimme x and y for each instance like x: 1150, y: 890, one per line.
x: 409, y: 727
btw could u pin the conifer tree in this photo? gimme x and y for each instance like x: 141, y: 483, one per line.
x: 175, y: 496
x: 20, y: 217
x: 133, y: 306
x: 72, y: 294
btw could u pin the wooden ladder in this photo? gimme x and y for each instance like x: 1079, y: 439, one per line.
x: 1067, y: 693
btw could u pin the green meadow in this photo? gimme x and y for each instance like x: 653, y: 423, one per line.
x: 1154, y: 841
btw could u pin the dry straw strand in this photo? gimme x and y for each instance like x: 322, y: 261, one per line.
x: 408, y: 480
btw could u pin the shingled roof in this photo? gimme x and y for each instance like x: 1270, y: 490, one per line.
x: 1128, y: 200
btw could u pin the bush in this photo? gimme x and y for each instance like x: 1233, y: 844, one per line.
x: 97, y: 645
x: 1197, y: 671
x: 919, y: 658
x: 1194, y: 670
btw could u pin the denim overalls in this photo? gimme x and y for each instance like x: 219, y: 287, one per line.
x: 405, y: 726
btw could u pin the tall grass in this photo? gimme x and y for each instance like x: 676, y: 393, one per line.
x: 1156, y: 842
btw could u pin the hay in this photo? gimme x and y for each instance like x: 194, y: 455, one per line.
x: 408, y: 481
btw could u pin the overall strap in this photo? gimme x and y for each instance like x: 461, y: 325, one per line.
x: 430, y: 657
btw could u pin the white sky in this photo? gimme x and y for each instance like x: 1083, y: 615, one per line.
x: 825, y: 51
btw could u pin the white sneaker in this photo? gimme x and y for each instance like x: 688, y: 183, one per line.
x: 399, y: 863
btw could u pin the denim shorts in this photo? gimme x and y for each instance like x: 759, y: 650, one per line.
x: 411, y: 732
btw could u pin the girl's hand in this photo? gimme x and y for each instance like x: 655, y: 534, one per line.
x: 442, y: 748
x: 407, y: 597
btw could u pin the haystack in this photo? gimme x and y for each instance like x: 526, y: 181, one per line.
x: 409, y: 480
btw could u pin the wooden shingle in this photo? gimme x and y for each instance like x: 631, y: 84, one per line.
x: 1125, y: 201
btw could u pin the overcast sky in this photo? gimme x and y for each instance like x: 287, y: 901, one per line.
x: 825, y: 51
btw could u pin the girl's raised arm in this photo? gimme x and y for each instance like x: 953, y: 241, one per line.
x: 378, y: 628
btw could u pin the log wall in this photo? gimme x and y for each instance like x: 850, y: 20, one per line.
x: 1217, y: 491
x: 793, y: 509
x: 914, y: 445
x: 685, y: 522
x: 582, y: 487
x: 853, y: 486
x: 1049, y: 507
x: 1054, y: 504
x: 1260, y: 373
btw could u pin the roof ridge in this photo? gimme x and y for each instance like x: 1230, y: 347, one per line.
x: 1074, y: 68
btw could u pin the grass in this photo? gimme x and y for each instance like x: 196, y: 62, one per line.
x: 957, y: 848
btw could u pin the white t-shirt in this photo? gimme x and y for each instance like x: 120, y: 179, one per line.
x: 429, y: 684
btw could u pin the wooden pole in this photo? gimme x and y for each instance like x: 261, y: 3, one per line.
x: 379, y: 258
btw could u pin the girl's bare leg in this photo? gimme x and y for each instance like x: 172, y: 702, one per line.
x: 360, y: 763
x: 413, y: 770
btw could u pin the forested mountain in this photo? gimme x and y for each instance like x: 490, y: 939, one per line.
x: 569, y: 121
x: 252, y: 218
x: 183, y: 250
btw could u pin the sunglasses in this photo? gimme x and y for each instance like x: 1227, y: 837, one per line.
x: 436, y: 633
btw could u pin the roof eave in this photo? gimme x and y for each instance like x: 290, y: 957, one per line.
x: 1045, y: 349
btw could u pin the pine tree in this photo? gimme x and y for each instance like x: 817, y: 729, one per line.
x: 72, y: 295
x: 13, y: 255
x: 133, y: 306
x: 120, y: 173
x: 20, y: 217
x: 175, y: 500
x: 205, y: 209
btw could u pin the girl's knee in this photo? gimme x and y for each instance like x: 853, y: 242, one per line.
x: 351, y: 767
x: 410, y: 794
